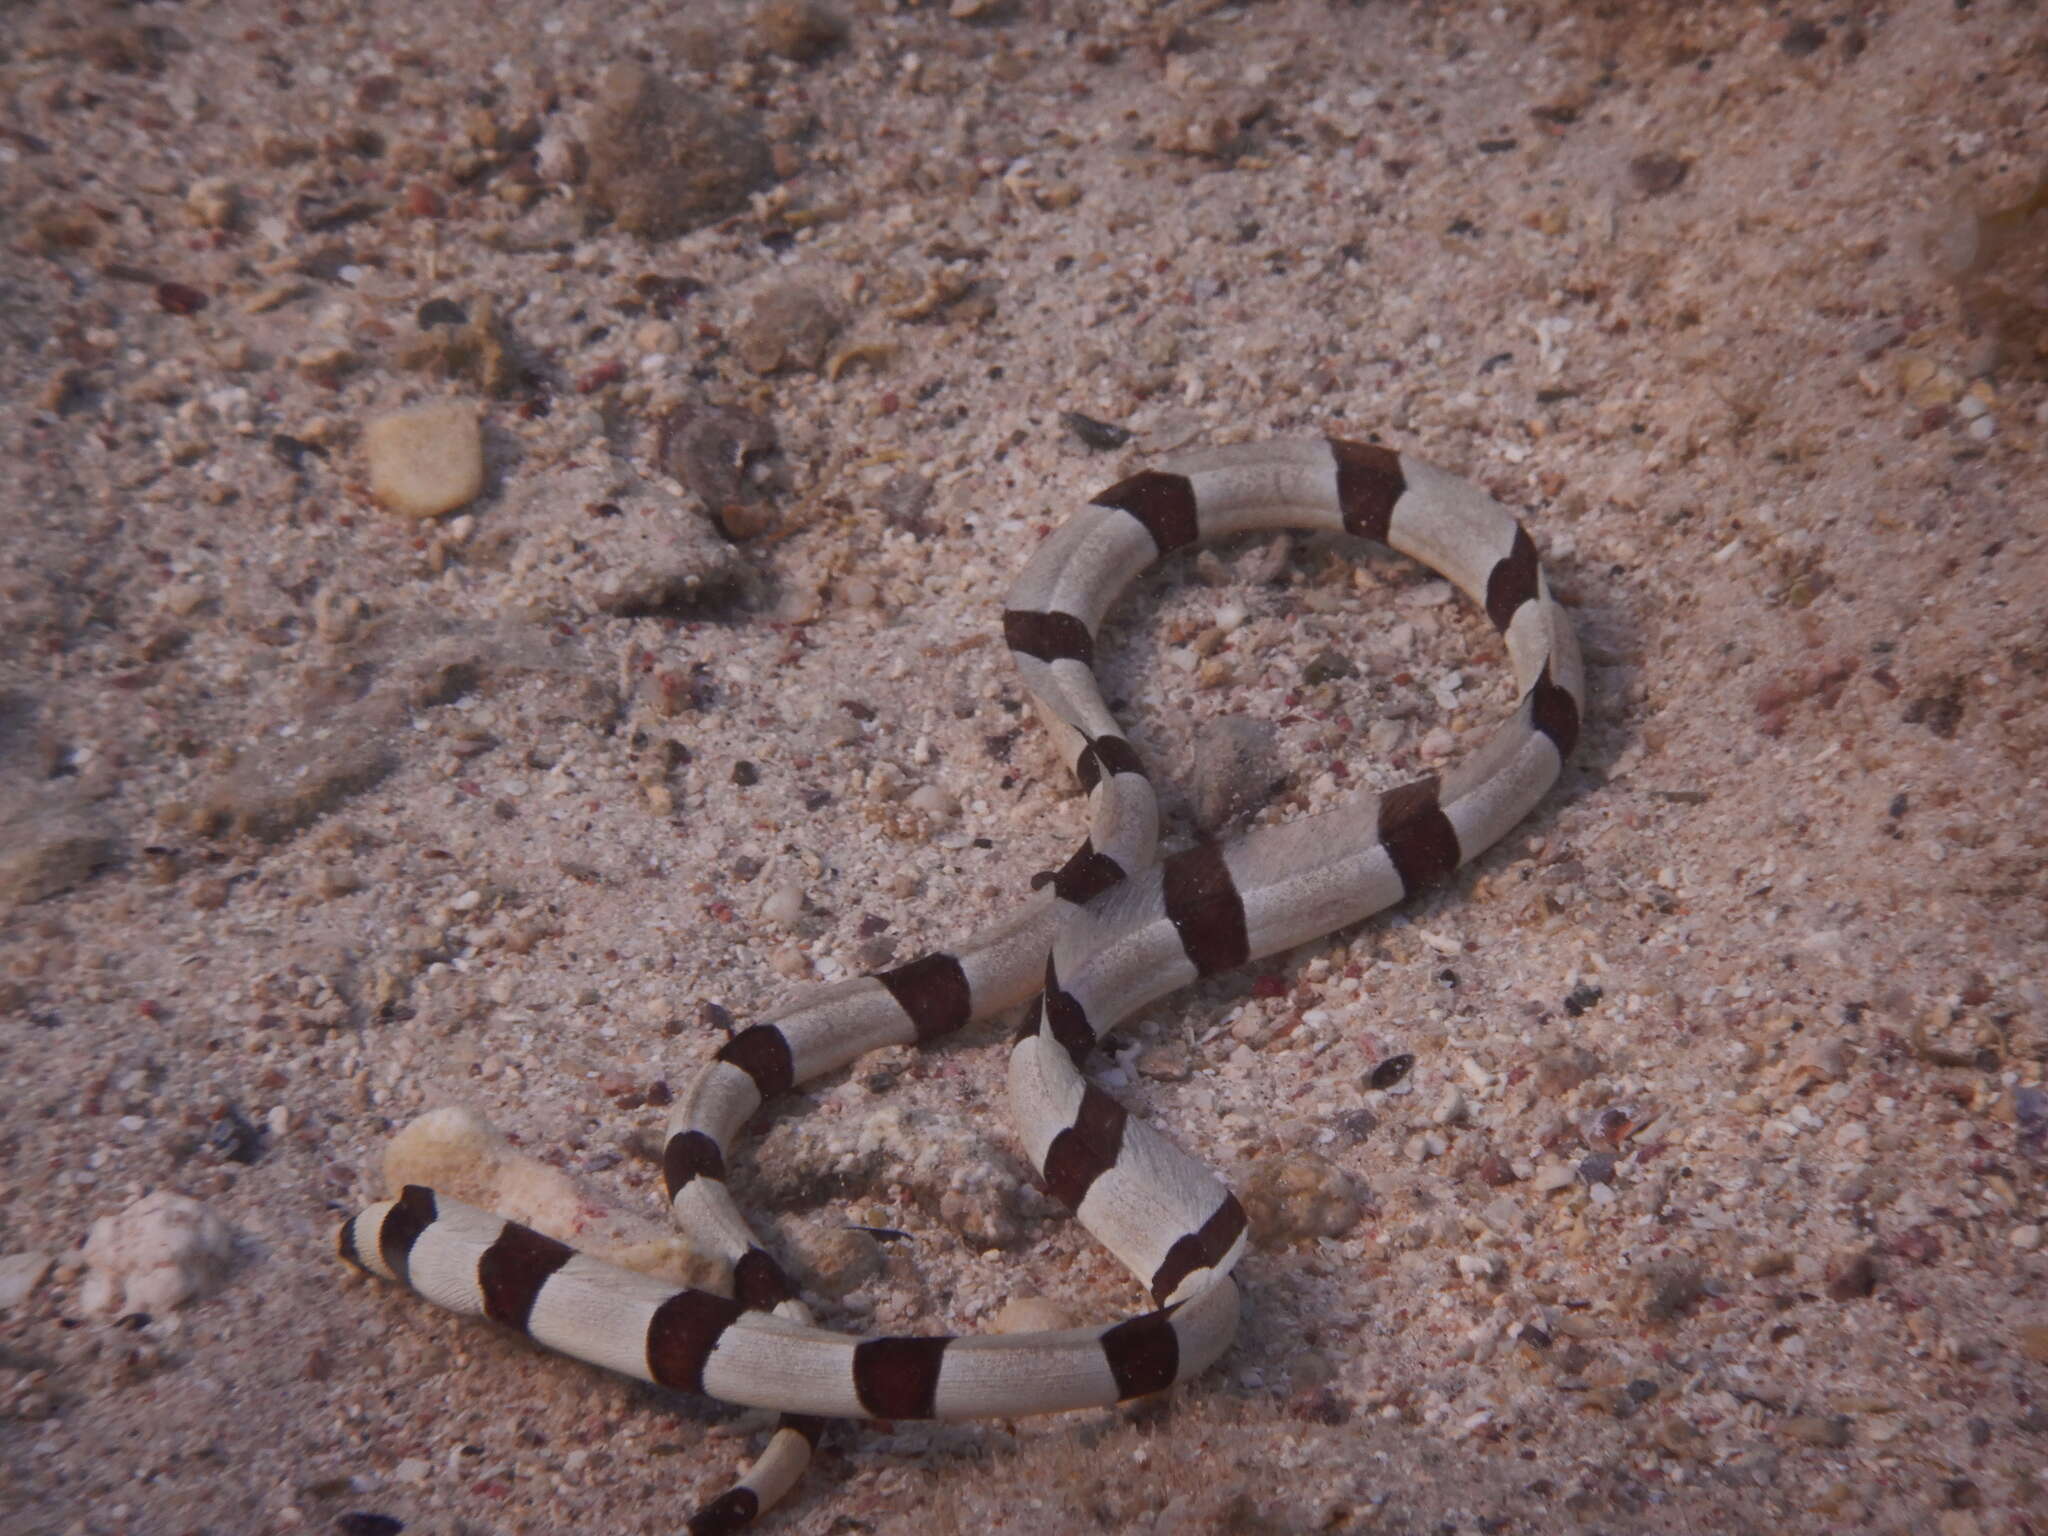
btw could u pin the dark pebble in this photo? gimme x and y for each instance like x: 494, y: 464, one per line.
x: 1656, y: 174
x: 1327, y: 666
x: 1391, y: 1071
x: 440, y: 312
x: 1100, y: 436
x: 1580, y: 999
x: 1802, y: 38
x: 234, y: 1138
x: 1854, y: 1279
x: 179, y: 299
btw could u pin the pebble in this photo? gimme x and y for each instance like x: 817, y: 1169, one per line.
x: 426, y: 461
x: 787, y: 328
x: 1489, y: 1267
x: 1831, y: 1430
x: 284, y: 786
x: 1854, y: 1276
x: 2026, y: 1238
x: 1234, y: 769
x: 1668, y: 1288
x: 714, y: 449
x: 1425, y: 1145
x: 836, y: 1261
x: 930, y: 800
x: 159, y: 1253
x: 785, y: 904
x: 1655, y: 174
x: 1299, y: 1196
x: 1031, y: 1314
x: 1561, y: 1071
x: 1164, y: 1063
x: 664, y: 160
x: 213, y: 203
x: 801, y: 31
x: 50, y: 847
x: 20, y: 1274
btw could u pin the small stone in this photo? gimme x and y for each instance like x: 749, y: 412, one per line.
x: 1391, y: 1073
x: 213, y: 203
x: 664, y: 159
x: 1031, y: 1314
x: 801, y: 31
x: 2033, y: 1341
x: 1292, y: 1198
x: 159, y: 1253
x: 784, y: 905
x: 1496, y: 1170
x: 2026, y: 1238
x: 1164, y: 1064
x: 1235, y: 769
x: 455, y: 344
x: 1802, y: 37
x: 47, y: 847
x: 1560, y: 1072
x: 1489, y: 1267
x: 1827, y: 1060
x: 20, y: 1274
x: 284, y: 786
x: 1829, y: 1430
x: 837, y: 1261
x: 1552, y: 1177
x: 930, y: 800
x: 1670, y: 1287
x: 426, y: 461
x: 1656, y: 174
x: 721, y: 453
x: 1854, y: 1277
x: 1424, y: 1145
x: 787, y: 327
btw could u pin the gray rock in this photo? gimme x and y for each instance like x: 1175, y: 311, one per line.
x: 48, y: 845
x: 664, y: 160
x: 787, y: 326
x: 1234, y: 769
x: 282, y: 787
x: 722, y: 453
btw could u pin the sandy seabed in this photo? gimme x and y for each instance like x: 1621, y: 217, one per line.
x: 1712, y: 1201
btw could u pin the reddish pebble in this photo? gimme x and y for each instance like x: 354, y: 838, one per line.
x: 423, y: 202
x: 179, y: 298
x: 1496, y: 1170
x: 601, y: 375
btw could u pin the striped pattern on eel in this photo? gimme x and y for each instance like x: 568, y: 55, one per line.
x: 1113, y: 929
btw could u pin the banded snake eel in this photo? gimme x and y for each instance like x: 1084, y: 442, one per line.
x: 1114, y: 929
